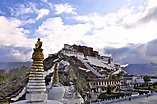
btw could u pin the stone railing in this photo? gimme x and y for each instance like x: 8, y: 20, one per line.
x: 121, y: 99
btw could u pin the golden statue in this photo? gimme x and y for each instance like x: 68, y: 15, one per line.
x: 38, y: 44
x: 37, y: 54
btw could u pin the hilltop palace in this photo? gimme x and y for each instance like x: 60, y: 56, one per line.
x: 99, y: 68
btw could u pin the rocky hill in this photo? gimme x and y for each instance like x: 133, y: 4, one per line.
x: 13, y: 88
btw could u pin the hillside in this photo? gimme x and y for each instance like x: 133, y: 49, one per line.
x: 68, y: 73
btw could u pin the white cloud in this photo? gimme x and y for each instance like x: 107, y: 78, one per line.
x: 97, y: 30
x: 64, y: 8
x: 18, y: 56
x: 41, y: 13
x: 12, y: 34
x: 55, y: 34
x: 113, y: 33
x: 24, y: 10
x: 46, y: 1
x: 151, y: 3
x: 111, y: 19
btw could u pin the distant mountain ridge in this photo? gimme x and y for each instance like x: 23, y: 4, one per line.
x: 141, y: 69
x: 10, y: 65
x: 135, y: 69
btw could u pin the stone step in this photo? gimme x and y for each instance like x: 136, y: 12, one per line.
x: 33, y: 72
x: 36, y: 78
x: 36, y: 84
x: 37, y: 87
x: 36, y: 81
x: 35, y: 75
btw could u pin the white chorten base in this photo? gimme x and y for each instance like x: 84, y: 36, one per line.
x: 56, y: 93
x: 36, y: 97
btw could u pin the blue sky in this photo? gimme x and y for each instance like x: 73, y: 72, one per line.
x: 126, y: 29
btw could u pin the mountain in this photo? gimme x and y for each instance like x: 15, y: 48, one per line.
x: 141, y: 69
x: 10, y: 65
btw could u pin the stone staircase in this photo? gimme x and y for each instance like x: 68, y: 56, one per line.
x: 90, y: 68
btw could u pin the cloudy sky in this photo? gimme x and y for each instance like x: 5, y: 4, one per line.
x: 126, y: 29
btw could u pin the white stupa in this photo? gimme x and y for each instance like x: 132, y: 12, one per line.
x: 56, y: 92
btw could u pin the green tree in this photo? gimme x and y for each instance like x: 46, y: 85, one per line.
x: 114, y: 77
x: 146, y: 79
x: 120, y: 74
x: 2, y: 77
x: 16, y: 73
x: 108, y: 89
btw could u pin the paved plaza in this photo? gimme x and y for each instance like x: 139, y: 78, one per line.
x: 144, y: 100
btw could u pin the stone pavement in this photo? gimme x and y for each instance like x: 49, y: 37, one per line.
x: 144, y: 100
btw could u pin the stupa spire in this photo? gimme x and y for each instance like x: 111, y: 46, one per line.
x: 36, y: 89
x: 55, y: 77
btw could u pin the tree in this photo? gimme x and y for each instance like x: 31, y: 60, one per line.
x: 146, y: 79
x: 113, y: 76
x: 120, y: 74
x: 2, y: 77
x: 108, y: 89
